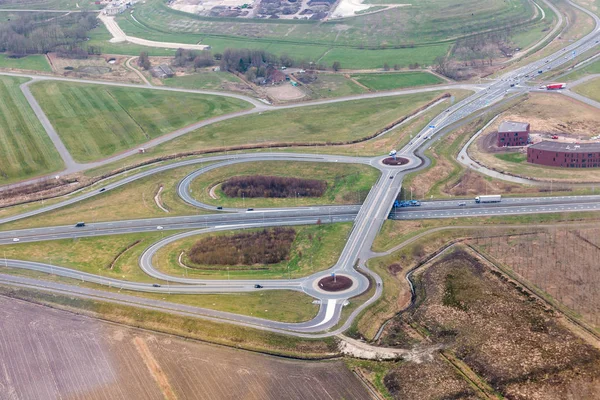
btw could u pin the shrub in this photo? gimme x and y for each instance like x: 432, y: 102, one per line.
x: 273, y: 186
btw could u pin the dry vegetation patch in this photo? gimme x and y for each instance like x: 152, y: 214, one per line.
x: 268, y: 246
x: 273, y: 186
x: 499, y: 331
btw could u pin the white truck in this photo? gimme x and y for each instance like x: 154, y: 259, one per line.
x: 492, y: 198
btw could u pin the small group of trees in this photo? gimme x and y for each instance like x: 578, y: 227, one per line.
x: 268, y: 246
x: 39, y: 33
x: 144, y: 61
x: 193, y: 58
x: 273, y: 187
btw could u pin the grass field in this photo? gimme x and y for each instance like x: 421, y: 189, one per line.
x: 95, y: 255
x: 346, y: 183
x: 202, y: 80
x: 590, y: 89
x: 346, y: 121
x: 36, y: 62
x: 99, y: 121
x: 591, y: 68
x: 50, y: 4
x: 418, y: 33
x: 26, y: 148
x: 132, y: 201
x: 333, y: 85
x: 316, y: 247
x: 390, y: 81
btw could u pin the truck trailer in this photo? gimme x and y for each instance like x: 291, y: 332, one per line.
x: 492, y: 198
x: 556, y: 86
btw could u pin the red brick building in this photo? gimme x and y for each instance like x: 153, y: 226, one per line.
x: 513, y: 134
x: 566, y: 155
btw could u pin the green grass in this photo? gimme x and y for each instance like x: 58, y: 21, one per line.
x: 333, y: 85
x: 26, y: 149
x: 97, y: 121
x: 202, y: 80
x: 346, y: 183
x: 405, y: 35
x: 589, y: 89
x: 95, y: 255
x: 36, y: 62
x: 591, y: 68
x: 50, y: 4
x: 394, y: 80
x: 328, y: 123
x: 316, y: 247
x: 512, y: 157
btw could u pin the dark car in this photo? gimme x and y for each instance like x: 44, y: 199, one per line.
x: 155, y: 285
x: 219, y: 208
x: 102, y: 190
x: 391, y: 177
x: 257, y: 286
x: 251, y: 209
x: 80, y: 225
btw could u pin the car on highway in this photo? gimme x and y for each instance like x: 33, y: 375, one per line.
x: 257, y: 286
x: 155, y: 285
x: 16, y: 239
x: 251, y: 209
x: 392, y: 177
x: 462, y: 204
x: 219, y: 207
x: 80, y: 225
x: 102, y: 190
x: 160, y: 228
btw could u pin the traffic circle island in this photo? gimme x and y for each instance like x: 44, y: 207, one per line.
x: 395, y: 161
x: 335, y: 283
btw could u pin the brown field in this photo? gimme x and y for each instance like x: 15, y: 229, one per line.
x: 46, y: 354
x: 96, y: 67
x: 563, y: 262
x: 500, y: 337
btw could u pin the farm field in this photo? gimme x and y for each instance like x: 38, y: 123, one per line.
x: 96, y: 121
x: 559, y: 261
x: 36, y: 62
x: 203, y: 80
x: 590, y: 89
x: 529, y: 353
x: 117, y: 257
x: 346, y: 183
x: 352, y: 120
x: 393, y: 80
x: 98, y: 360
x: 27, y: 150
x: 366, y: 41
x: 315, y: 248
x: 49, y: 4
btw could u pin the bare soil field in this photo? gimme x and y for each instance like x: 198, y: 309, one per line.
x: 561, y: 262
x: 96, y: 67
x: 284, y: 92
x: 47, y: 353
x: 496, y: 334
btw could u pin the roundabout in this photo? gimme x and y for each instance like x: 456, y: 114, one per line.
x: 335, y: 283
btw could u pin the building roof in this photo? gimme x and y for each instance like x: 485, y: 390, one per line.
x: 567, y: 147
x: 511, y: 126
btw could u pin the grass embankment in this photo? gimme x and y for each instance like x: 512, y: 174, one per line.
x: 134, y: 200
x: 117, y: 257
x: 315, y: 248
x: 209, y: 80
x: 346, y: 183
x: 35, y: 62
x: 590, y: 69
x: 96, y: 121
x: 589, y: 89
x: 194, y: 328
x: 26, y: 148
x: 393, y: 80
x: 322, y: 124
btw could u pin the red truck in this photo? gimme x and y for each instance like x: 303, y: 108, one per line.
x: 556, y: 86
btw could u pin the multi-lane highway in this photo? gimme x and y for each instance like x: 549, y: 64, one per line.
x: 367, y: 219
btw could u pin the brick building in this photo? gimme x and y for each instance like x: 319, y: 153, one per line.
x: 513, y: 134
x: 566, y: 155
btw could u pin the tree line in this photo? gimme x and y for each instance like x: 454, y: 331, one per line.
x: 268, y: 246
x: 39, y: 33
x: 273, y: 186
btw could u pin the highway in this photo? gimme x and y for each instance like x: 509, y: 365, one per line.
x: 367, y: 218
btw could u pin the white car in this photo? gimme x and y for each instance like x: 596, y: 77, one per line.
x: 160, y: 228
x: 16, y: 239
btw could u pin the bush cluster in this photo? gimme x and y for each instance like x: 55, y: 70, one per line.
x: 269, y: 246
x: 273, y: 186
